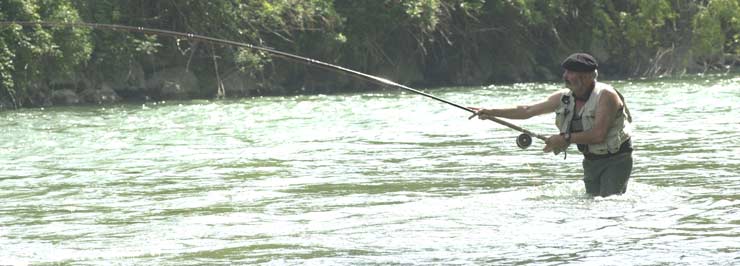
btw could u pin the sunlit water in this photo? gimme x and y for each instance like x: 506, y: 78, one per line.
x: 373, y: 178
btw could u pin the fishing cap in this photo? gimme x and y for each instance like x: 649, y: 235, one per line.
x: 580, y: 62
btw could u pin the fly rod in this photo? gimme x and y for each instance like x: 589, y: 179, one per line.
x: 523, y: 141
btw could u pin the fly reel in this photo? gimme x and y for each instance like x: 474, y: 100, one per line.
x: 524, y: 141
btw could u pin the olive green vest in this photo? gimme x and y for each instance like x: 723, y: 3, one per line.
x: 618, y: 132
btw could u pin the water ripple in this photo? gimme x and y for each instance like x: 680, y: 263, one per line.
x: 375, y: 178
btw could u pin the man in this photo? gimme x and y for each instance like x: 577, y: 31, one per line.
x: 592, y: 115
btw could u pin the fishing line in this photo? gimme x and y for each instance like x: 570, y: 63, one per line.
x: 523, y: 141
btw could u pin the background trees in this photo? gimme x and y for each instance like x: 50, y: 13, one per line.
x: 415, y: 42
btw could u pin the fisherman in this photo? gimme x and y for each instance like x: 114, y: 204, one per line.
x: 592, y: 115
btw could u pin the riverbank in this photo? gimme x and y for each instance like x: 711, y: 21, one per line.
x: 176, y: 87
x: 416, y: 43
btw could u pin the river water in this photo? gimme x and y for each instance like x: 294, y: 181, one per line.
x: 366, y: 179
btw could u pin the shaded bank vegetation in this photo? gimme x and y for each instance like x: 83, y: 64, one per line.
x: 414, y: 42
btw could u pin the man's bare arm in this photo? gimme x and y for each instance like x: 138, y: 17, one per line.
x: 524, y: 111
x: 609, y: 104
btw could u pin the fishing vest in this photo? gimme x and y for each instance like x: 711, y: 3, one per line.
x: 619, y: 131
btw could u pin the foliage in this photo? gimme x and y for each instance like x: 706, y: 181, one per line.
x: 633, y: 31
x: 430, y: 42
x: 717, y: 31
x: 35, y: 56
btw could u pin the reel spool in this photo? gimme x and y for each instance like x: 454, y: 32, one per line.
x: 524, y: 141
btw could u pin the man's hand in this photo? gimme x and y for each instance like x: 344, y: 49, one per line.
x: 480, y: 113
x: 555, y: 143
x: 476, y: 112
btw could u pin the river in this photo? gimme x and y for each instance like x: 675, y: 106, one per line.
x: 379, y: 178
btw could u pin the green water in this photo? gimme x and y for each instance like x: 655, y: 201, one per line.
x: 365, y: 179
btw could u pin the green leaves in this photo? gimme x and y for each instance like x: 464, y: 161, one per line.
x: 716, y: 30
x: 438, y: 42
x: 148, y: 45
x: 250, y: 61
x: 33, y: 55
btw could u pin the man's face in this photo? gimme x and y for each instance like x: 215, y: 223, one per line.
x: 573, y: 80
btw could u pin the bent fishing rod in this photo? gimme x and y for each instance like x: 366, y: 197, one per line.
x: 523, y: 141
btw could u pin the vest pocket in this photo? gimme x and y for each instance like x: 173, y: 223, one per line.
x: 560, y: 114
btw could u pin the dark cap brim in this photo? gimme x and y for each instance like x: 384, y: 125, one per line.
x: 580, y: 62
